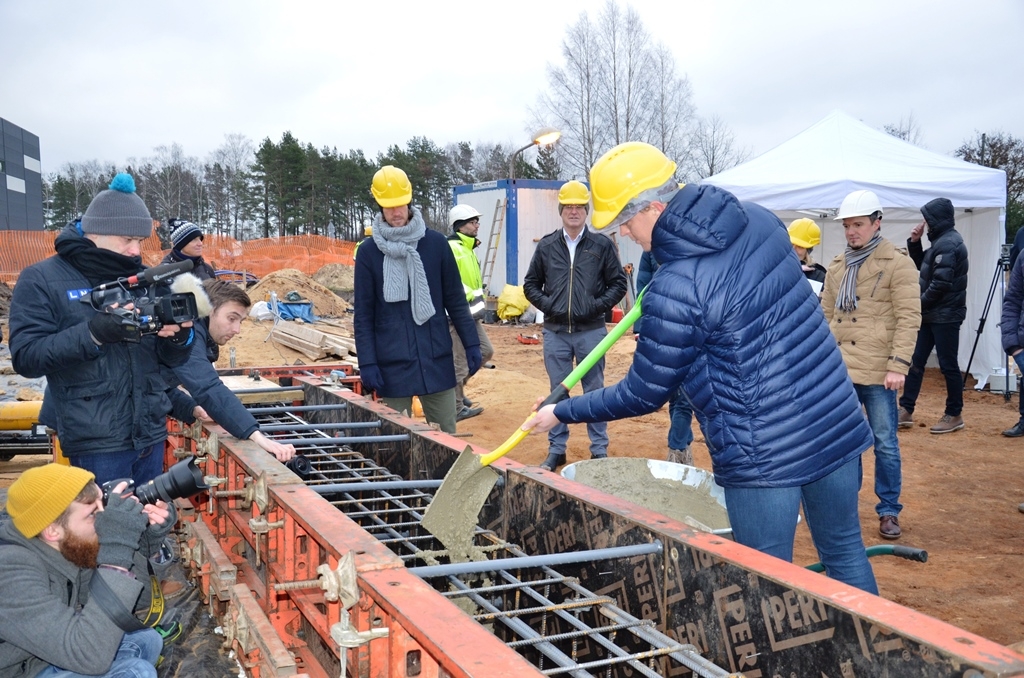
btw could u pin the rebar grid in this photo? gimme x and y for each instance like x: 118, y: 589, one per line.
x: 551, y: 618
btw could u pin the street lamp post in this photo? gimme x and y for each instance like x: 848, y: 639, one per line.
x: 544, y: 137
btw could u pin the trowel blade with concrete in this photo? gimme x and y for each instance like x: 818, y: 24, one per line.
x: 452, y: 515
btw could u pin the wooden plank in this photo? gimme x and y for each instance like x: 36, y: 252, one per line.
x: 304, y: 347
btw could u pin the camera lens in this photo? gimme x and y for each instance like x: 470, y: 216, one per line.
x: 181, y: 480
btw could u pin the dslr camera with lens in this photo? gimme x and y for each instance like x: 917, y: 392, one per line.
x: 181, y: 480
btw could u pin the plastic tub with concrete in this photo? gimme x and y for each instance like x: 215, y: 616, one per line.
x: 685, y: 493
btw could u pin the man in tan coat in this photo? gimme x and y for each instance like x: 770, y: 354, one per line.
x: 872, y: 302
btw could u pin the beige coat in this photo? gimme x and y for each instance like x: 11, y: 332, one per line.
x: 880, y: 334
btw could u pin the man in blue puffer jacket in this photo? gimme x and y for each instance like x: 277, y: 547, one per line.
x: 730, y: 317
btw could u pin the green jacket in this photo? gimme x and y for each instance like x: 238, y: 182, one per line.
x: 469, y: 270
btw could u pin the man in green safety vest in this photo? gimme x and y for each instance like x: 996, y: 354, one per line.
x: 464, y: 221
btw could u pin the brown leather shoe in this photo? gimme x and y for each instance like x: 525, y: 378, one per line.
x: 889, y: 527
x: 948, y: 424
x: 906, y: 419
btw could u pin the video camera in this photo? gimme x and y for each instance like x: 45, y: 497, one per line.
x: 181, y: 480
x: 148, y: 314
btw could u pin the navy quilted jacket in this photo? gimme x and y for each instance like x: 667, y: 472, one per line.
x: 731, y: 317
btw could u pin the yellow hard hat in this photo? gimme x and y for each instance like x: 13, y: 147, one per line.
x: 391, y: 187
x: 623, y: 173
x: 368, y: 231
x: 804, y: 233
x: 573, y: 193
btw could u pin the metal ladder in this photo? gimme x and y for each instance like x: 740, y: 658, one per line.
x: 491, y: 251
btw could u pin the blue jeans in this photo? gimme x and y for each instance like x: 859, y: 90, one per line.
x: 945, y: 339
x: 764, y: 518
x: 880, y: 406
x: 135, y: 658
x: 139, y: 465
x: 680, y: 412
x: 562, y: 352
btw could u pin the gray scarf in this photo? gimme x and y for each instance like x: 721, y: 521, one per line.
x: 846, y: 300
x: 403, y: 268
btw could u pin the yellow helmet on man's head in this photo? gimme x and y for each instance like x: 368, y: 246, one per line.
x: 804, y: 233
x: 573, y: 193
x: 391, y: 187
x: 623, y: 173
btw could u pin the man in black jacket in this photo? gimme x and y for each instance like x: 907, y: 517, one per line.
x: 104, y: 395
x: 574, y: 278
x: 210, y: 397
x: 943, y: 269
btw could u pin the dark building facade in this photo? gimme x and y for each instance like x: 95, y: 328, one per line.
x: 21, y: 181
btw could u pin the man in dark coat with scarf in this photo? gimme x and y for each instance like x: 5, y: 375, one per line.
x: 406, y: 280
x: 943, y: 269
x: 727, y: 317
x: 104, y: 394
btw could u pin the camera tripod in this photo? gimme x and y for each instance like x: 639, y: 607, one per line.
x: 998, y: 281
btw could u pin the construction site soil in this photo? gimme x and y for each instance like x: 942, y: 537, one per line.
x: 960, y: 490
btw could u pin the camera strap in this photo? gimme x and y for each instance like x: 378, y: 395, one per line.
x: 108, y: 601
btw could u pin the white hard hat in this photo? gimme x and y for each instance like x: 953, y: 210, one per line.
x: 461, y: 213
x: 858, y: 204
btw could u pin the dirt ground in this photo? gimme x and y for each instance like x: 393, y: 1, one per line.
x: 960, y: 490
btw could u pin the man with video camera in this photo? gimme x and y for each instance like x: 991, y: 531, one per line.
x: 104, y: 394
x: 73, y: 572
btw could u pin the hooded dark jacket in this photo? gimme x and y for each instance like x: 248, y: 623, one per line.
x: 108, y: 398
x: 729, y: 317
x: 574, y: 295
x: 943, y: 266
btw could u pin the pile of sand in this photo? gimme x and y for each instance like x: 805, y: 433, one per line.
x: 325, y: 302
x: 339, y: 278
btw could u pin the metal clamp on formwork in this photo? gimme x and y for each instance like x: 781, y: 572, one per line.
x: 345, y: 588
x: 337, y: 584
x: 208, y: 446
x: 261, y: 526
x: 254, y: 492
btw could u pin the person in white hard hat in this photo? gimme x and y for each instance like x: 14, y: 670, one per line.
x: 873, y: 306
x: 464, y: 220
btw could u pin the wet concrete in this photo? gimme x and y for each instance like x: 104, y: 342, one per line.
x: 632, y: 479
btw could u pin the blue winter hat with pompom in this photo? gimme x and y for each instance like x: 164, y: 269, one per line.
x: 118, y: 211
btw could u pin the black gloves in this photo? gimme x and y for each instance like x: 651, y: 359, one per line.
x: 473, y: 359
x: 182, y: 337
x: 371, y: 377
x: 118, y: 529
x: 108, y: 328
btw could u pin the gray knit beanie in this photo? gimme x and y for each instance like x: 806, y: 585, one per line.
x: 118, y: 211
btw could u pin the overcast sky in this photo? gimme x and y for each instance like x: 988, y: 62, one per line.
x: 110, y: 81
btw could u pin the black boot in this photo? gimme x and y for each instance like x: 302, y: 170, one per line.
x: 1015, y: 432
x: 553, y: 462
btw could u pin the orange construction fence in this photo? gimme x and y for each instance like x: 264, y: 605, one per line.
x: 307, y: 253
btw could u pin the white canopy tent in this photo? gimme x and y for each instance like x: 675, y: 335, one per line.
x: 809, y: 175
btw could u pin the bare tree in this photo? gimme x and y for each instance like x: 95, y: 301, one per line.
x: 614, y: 85
x: 235, y: 156
x: 573, y: 101
x: 909, y: 130
x: 713, y: 149
x: 672, y: 110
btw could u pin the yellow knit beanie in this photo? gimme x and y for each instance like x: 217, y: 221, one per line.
x: 41, y: 494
